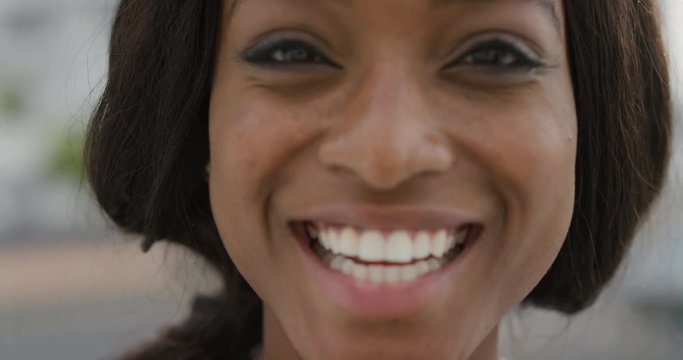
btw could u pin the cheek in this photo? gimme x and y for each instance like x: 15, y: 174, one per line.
x: 532, y: 146
x: 251, y: 140
x: 247, y: 144
x: 535, y: 167
x: 540, y: 161
x: 536, y: 158
x: 528, y: 156
x: 254, y: 138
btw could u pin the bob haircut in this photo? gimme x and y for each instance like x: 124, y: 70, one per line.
x: 147, y: 145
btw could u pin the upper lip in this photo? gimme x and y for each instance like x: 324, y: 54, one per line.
x: 387, y: 217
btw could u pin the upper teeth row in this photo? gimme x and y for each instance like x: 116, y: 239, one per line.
x: 396, y: 246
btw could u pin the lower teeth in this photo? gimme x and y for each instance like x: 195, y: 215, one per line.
x: 383, y: 274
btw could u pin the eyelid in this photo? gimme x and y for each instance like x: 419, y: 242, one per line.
x: 274, y: 38
x: 523, y: 46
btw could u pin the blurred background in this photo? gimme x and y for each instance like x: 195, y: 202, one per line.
x: 71, y: 287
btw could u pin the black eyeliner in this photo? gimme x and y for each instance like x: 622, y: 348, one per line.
x: 525, y: 62
x: 260, y: 53
x: 525, y: 59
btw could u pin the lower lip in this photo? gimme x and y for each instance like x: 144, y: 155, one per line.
x: 386, y: 300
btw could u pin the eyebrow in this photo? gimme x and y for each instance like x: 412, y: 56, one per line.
x: 548, y: 5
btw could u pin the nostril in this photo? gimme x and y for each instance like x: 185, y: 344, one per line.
x: 388, y: 158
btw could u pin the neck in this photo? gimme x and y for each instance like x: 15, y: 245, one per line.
x: 488, y: 348
x: 276, y: 344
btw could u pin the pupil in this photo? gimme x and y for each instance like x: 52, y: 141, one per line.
x: 493, y: 57
x: 488, y: 56
x: 299, y: 54
x: 288, y: 55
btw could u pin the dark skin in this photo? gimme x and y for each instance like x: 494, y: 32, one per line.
x: 393, y: 104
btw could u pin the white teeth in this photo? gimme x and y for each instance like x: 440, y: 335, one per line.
x: 461, y: 236
x: 324, y: 241
x: 396, y: 246
x: 329, y: 239
x: 336, y: 263
x: 421, y: 268
x: 360, y: 272
x: 439, y: 243
x: 392, y: 274
x: 376, y: 274
x: 408, y: 272
x: 347, y: 267
x: 399, y: 247
x: 312, y: 231
x: 422, y: 246
x: 433, y: 264
x: 450, y: 242
x: 371, y: 246
x: 342, y: 249
x: 347, y: 244
x: 380, y: 274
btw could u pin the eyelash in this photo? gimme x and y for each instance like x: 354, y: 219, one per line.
x: 493, y: 55
x: 287, y: 52
x: 498, y: 55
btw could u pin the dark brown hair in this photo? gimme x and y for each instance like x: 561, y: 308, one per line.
x: 147, y: 145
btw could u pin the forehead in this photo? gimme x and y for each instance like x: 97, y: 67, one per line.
x: 552, y: 8
x: 550, y: 5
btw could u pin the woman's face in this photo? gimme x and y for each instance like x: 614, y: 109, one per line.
x: 391, y: 177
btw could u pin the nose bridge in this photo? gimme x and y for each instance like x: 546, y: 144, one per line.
x: 379, y: 106
x: 386, y: 135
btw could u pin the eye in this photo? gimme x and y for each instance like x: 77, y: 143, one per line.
x: 285, y: 52
x: 498, y: 55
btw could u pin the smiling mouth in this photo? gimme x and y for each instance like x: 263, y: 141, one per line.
x: 384, y: 256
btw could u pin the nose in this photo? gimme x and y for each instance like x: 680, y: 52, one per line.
x: 387, y: 135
